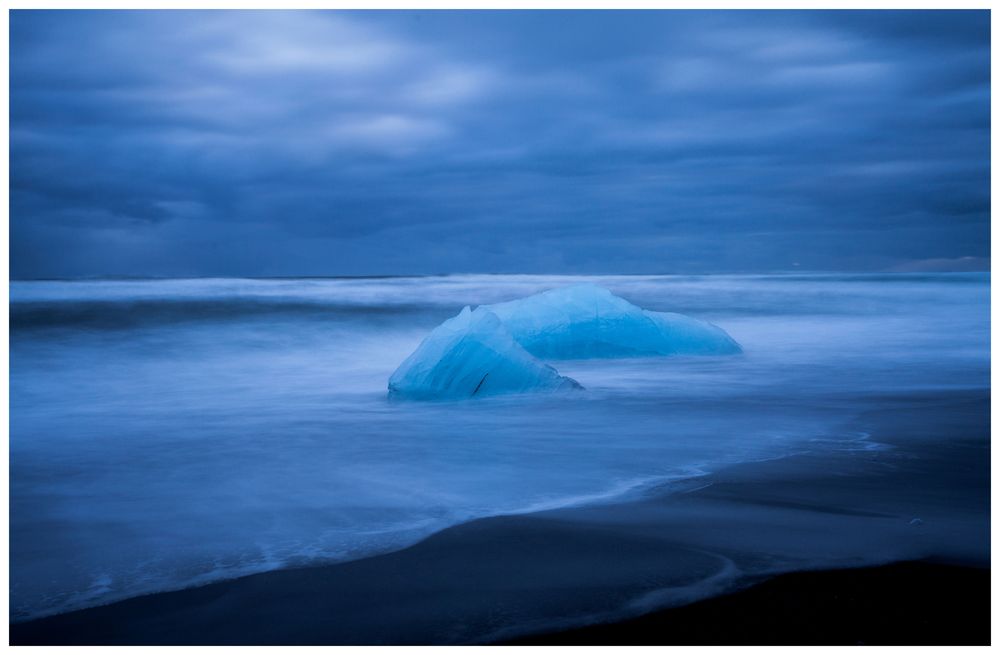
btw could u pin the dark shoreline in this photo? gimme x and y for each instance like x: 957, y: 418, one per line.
x: 496, y: 580
x: 903, y: 603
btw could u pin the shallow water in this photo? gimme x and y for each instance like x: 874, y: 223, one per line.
x: 171, y: 432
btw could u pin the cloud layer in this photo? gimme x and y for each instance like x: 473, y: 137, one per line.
x: 344, y: 143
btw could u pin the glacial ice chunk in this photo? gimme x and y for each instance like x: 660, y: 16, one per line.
x: 470, y: 355
x: 587, y: 321
x: 496, y: 348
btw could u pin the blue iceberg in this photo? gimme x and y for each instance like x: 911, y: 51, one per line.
x: 586, y: 321
x: 497, y: 349
x: 471, y: 355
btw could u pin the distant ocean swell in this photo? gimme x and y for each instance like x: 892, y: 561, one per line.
x: 119, y: 314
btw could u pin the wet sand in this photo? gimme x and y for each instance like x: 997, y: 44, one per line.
x: 507, y: 578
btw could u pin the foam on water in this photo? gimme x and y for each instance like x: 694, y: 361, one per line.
x: 173, y: 432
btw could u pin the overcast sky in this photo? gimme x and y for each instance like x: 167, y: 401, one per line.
x: 356, y: 143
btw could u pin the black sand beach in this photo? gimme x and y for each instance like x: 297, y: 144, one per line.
x: 583, y: 575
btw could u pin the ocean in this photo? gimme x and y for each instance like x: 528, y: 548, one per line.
x: 173, y: 432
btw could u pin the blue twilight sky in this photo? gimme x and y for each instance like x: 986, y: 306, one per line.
x: 352, y: 143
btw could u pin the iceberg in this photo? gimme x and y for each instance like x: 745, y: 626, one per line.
x: 472, y: 355
x: 498, y: 348
x: 587, y: 321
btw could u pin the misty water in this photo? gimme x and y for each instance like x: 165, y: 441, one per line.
x: 167, y: 433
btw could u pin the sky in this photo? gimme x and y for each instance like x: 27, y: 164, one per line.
x: 186, y: 143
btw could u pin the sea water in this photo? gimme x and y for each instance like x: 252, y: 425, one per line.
x: 168, y: 433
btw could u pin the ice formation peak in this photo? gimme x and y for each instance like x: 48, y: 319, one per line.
x: 471, y: 355
x: 587, y: 321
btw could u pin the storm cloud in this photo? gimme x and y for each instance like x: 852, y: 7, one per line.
x: 265, y: 143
